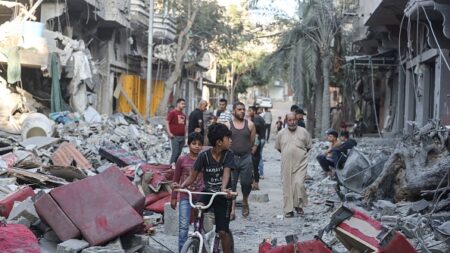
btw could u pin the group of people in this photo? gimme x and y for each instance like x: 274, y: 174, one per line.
x: 232, y: 154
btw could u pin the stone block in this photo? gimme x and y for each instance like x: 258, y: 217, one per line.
x: 112, y: 247
x: 24, y: 209
x: 7, y: 203
x: 7, y: 181
x: 418, y: 206
x: 386, y: 207
x: 153, y: 219
x: 170, y: 220
x: 259, y: 197
x: 133, y: 243
x: 72, y: 246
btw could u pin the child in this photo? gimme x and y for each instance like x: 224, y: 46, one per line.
x: 216, y: 165
x: 279, y: 124
x: 183, y: 168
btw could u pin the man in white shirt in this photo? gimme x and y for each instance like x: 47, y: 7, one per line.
x: 221, y: 114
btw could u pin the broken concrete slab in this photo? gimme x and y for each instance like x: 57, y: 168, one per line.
x: 39, y: 141
x: 114, y: 246
x: 7, y: 203
x: 170, y: 220
x: 91, y: 115
x: 24, y: 209
x: 386, y: 207
x: 72, y: 246
x: 259, y: 197
x: 418, y: 206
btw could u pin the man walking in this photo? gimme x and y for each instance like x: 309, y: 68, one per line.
x: 243, y: 144
x: 176, y: 130
x: 294, y: 143
x: 268, y: 119
x: 259, y: 123
x: 222, y: 115
x: 300, y: 114
x: 196, y: 122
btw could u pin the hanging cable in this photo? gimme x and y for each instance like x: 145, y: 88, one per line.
x: 435, y: 38
x: 373, y: 98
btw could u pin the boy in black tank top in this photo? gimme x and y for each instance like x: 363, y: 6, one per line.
x: 216, y: 165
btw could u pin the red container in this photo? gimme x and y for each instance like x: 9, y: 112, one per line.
x: 53, y: 215
x: 18, y: 238
x: 96, y: 209
x: 115, y: 179
x: 313, y: 246
x: 365, y: 234
x: 7, y: 203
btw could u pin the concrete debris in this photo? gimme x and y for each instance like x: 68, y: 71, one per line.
x: 385, y: 207
x: 24, y: 209
x: 170, y: 220
x: 72, y: 246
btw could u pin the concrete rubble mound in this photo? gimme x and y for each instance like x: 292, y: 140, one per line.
x: 91, y: 184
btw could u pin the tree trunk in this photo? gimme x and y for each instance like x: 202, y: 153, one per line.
x: 300, y: 89
x: 318, y: 108
x: 183, y: 44
x: 326, y: 91
x: 414, y: 166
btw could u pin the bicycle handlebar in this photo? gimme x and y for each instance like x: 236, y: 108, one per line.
x: 213, y: 195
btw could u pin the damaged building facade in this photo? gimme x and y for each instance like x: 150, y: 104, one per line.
x: 401, y: 63
x: 100, y: 54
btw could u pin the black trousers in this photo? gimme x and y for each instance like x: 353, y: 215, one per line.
x: 325, y: 163
x: 268, y: 126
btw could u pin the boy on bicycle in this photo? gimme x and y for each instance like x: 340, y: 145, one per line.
x: 183, y: 169
x: 216, y: 164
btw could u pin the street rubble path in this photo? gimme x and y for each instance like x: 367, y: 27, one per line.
x: 266, y: 218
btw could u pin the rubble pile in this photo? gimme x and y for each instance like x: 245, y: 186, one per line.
x: 84, y: 182
x: 367, y: 185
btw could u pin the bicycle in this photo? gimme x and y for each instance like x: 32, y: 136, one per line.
x: 201, y: 241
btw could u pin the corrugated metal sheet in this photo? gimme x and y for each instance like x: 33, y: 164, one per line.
x: 135, y: 87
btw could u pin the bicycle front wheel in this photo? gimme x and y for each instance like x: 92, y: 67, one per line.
x: 192, y: 245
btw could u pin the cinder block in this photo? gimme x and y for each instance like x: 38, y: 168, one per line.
x: 96, y: 209
x: 53, y: 215
x: 114, y: 178
x: 7, y: 203
x: 72, y: 246
x: 113, y: 247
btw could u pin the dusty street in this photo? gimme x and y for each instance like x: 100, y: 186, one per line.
x: 266, y: 217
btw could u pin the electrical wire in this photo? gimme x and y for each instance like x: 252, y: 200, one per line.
x: 435, y: 38
x: 161, y: 244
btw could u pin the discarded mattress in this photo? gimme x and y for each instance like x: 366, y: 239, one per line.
x: 16, y: 238
x: 158, y: 206
x: 98, y: 211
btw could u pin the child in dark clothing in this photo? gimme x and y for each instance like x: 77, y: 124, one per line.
x: 216, y: 164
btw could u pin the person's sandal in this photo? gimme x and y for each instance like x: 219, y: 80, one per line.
x: 289, y: 215
x: 299, y: 211
x: 245, y: 210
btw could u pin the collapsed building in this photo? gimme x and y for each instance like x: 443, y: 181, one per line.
x: 400, y: 61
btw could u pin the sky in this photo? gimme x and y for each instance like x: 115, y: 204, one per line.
x: 265, y: 8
